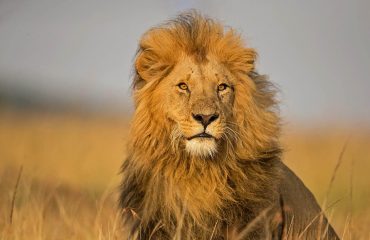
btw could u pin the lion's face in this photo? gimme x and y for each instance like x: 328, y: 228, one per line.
x: 198, y: 99
x: 195, y: 88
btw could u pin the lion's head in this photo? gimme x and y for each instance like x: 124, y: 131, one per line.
x: 196, y: 90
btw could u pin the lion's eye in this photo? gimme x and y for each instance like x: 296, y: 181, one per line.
x: 222, y: 87
x: 182, y: 86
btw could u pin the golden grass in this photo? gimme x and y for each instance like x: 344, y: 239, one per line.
x: 68, y: 186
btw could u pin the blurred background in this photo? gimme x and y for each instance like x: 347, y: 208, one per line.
x: 65, y: 104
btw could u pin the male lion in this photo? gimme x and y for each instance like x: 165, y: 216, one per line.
x: 203, y: 152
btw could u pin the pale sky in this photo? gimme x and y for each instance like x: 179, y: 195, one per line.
x: 317, y: 52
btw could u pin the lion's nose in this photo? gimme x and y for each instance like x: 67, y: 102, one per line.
x: 205, y: 120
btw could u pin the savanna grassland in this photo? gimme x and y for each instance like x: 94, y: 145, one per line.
x: 68, y: 171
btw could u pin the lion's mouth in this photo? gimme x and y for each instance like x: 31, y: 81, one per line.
x: 201, y: 135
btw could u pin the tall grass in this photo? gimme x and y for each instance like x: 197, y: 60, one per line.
x: 68, y: 186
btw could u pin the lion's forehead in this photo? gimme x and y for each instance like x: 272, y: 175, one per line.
x: 201, y: 76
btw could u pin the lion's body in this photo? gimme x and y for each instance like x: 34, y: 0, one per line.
x: 302, y: 216
x: 204, y: 157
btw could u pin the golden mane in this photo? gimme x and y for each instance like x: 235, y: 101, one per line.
x: 174, y: 191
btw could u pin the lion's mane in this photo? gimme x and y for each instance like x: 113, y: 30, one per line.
x: 165, y: 192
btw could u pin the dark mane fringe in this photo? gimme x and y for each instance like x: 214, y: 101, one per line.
x: 196, y: 31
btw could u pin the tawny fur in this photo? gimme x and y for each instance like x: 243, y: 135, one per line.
x: 169, y: 193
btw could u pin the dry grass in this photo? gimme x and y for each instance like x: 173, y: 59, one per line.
x: 67, y: 189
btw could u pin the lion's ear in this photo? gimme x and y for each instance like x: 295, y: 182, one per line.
x: 150, y: 66
x: 233, y: 53
x: 242, y: 60
x: 146, y: 64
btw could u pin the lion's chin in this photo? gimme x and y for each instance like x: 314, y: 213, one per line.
x: 201, y: 147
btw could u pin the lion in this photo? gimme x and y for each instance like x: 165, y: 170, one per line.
x: 204, y: 158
